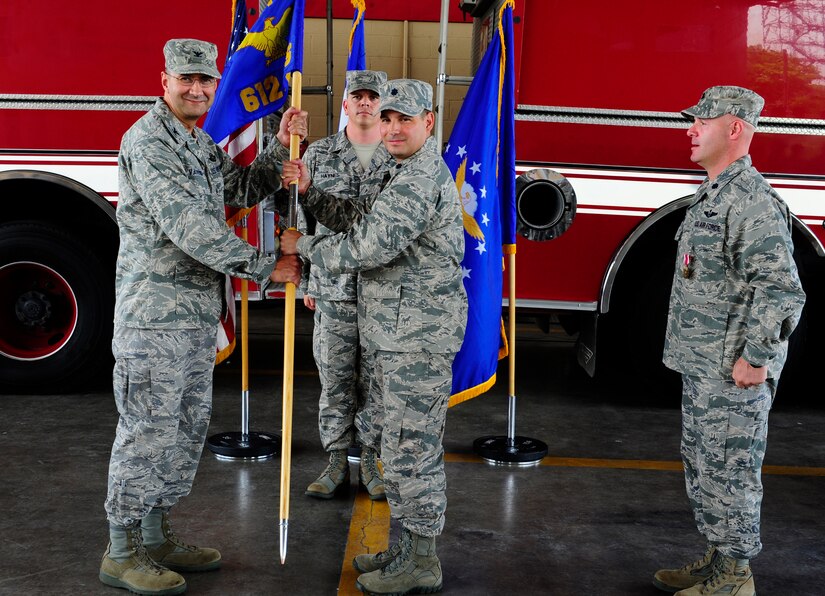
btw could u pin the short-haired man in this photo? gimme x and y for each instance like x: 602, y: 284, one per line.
x: 735, y: 300
x: 344, y: 165
x: 407, y: 243
x: 175, y: 249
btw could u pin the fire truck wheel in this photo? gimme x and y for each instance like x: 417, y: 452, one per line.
x: 631, y: 342
x: 56, y: 309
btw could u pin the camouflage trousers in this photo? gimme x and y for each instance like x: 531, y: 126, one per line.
x: 347, y: 410
x: 163, y: 393
x: 415, y: 388
x: 724, y: 435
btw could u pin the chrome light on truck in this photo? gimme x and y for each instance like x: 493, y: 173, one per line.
x: 545, y: 204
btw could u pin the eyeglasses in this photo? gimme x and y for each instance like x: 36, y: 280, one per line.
x: 205, y: 81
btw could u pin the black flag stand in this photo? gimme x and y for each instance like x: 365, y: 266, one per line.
x: 244, y: 444
x: 511, y: 450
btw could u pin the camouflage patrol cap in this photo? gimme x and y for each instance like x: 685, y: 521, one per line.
x: 190, y: 56
x: 371, y: 80
x: 407, y: 96
x: 727, y: 99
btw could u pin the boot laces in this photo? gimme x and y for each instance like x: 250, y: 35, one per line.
x: 337, y: 462
x: 713, y: 582
x: 140, y: 554
x: 369, y: 465
x: 173, y: 538
x: 405, y: 548
x: 698, y: 564
x: 390, y: 553
x: 722, y: 573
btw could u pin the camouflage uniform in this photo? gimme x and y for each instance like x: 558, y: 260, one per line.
x: 407, y: 243
x: 175, y: 249
x: 344, y: 370
x: 736, y: 293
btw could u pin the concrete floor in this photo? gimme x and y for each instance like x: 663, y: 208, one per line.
x: 603, y: 512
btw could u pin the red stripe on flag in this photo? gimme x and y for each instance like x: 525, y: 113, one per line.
x: 242, y: 147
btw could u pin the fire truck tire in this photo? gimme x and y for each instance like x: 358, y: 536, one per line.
x: 632, y: 339
x: 56, y: 310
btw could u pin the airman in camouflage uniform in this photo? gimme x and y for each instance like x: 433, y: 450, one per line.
x: 735, y: 300
x: 347, y: 164
x: 407, y: 243
x: 175, y: 249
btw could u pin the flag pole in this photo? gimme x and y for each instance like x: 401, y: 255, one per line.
x: 511, y: 361
x: 246, y: 444
x: 511, y: 449
x: 289, y: 338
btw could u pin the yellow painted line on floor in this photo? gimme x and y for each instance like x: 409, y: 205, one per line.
x: 633, y: 464
x: 369, y: 530
x: 268, y: 372
x: 793, y: 470
x: 622, y: 464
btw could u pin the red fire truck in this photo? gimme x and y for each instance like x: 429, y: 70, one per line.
x: 603, y: 157
x: 603, y: 160
x: 73, y: 82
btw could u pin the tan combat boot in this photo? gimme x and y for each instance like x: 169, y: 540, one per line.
x: 334, y: 477
x: 127, y: 565
x: 170, y: 551
x: 415, y: 570
x: 730, y: 576
x: 370, y: 474
x: 673, y: 580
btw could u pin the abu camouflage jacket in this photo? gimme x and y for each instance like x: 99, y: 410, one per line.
x: 175, y: 245
x: 336, y: 172
x: 407, y: 242
x: 736, y: 291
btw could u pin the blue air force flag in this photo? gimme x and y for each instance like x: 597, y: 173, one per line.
x: 357, y: 58
x: 255, y: 80
x: 481, y: 156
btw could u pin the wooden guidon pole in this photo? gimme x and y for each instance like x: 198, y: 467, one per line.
x: 289, y: 339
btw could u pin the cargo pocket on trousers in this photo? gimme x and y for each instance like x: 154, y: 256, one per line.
x: 131, y: 385
x: 120, y: 385
x: 747, y: 433
x: 394, y: 423
x: 163, y: 403
x: 381, y: 304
